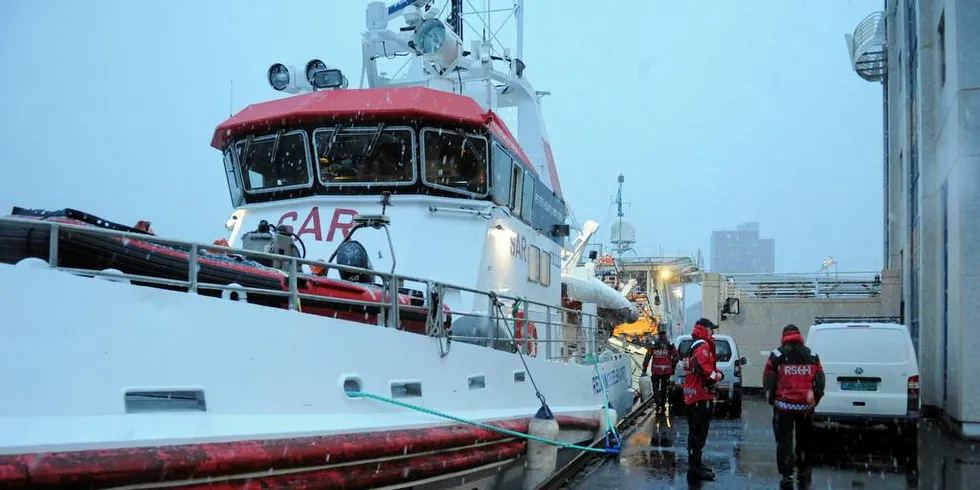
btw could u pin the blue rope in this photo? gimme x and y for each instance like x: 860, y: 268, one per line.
x: 361, y: 394
x: 610, y: 427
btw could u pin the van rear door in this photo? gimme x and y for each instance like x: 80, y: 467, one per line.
x: 867, y: 368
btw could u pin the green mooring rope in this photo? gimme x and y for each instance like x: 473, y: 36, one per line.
x: 361, y: 394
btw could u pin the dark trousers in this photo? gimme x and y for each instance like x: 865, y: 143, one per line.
x: 660, y: 384
x: 784, y: 424
x: 698, y: 420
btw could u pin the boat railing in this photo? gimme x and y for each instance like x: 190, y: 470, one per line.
x: 563, y: 334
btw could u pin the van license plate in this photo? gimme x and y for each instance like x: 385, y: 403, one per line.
x: 859, y: 386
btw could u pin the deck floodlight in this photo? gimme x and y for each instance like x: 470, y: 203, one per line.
x: 279, y: 77
x: 328, y: 78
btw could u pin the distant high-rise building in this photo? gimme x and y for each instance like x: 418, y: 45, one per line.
x: 741, y: 251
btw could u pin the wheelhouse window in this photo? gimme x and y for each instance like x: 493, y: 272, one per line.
x: 234, y: 182
x: 516, y: 189
x: 501, y: 171
x: 377, y: 155
x: 274, y: 162
x: 528, y: 196
x: 455, y: 161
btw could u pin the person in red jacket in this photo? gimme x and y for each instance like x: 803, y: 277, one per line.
x: 794, y: 382
x: 663, y: 355
x: 701, y: 375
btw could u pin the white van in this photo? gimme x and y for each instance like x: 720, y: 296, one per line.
x: 728, y: 392
x: 872, y: 374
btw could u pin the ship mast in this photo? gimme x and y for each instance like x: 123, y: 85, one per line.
x: 622, y: 234
x: 619, y: 197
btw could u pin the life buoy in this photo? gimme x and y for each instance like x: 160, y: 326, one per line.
x: 531, y: 344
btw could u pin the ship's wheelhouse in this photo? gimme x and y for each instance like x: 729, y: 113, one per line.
x: 332, y: 155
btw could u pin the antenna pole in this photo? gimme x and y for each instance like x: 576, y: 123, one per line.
x: 231, y: 97
x: 520, y: 29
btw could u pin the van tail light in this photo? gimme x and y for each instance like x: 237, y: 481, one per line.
x: 913, y: 394
x: 738, y: 369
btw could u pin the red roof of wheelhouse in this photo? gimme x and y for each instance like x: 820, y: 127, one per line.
x: 366, y: 104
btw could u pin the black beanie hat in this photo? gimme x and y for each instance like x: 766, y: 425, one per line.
x: 706, y: 323
x: 790, y: 328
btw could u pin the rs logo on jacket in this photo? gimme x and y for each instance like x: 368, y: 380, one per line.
x: 793, y: 378
x: 701, y: 371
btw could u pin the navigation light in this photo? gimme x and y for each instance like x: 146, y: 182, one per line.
x: 279, y: 77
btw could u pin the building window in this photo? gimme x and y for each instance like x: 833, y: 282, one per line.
x: 941, y: 31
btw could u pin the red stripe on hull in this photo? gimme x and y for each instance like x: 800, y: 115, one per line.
x: 370, y: 475
x: 120, y: 466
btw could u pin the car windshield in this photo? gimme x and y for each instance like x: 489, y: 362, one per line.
x: 722, y: 348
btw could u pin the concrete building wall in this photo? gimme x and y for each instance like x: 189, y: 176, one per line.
x: 933, y: 114
x: 758, y: 326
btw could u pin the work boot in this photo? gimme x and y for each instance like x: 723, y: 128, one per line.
x: 700, y: 473
x: 786, y: 483
x: 803, y: 477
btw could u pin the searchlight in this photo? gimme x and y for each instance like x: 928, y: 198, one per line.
x: 279, y: 77
x: 283, y: 78
x: 437, y: 44
x: 316, y: 76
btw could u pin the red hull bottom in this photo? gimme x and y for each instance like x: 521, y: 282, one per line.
x: 332, y: 461
x: 375, y: 474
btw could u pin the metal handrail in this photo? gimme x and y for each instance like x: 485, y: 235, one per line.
x: 586, y: 335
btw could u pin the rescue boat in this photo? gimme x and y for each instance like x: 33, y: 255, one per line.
x: 386, y: 309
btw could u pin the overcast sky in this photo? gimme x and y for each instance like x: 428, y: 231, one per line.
x: 742, y: 111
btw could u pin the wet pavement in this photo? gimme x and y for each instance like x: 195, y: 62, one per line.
x: 742, y: 454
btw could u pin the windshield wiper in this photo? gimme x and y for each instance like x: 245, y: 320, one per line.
x: 468, y: 142
x: 275, y: 151
x: 333, y: 138
x: 248, y: 143
x: 374, y: 140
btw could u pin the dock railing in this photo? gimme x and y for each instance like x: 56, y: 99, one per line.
x: 568, y: 335
x: 814, y: 285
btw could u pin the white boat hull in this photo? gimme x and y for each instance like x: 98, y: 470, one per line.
x: 78, y: 345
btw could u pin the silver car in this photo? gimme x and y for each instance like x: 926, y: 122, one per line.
x: 728, y: 392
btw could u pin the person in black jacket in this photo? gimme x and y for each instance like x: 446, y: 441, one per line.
x: 794, y: 382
